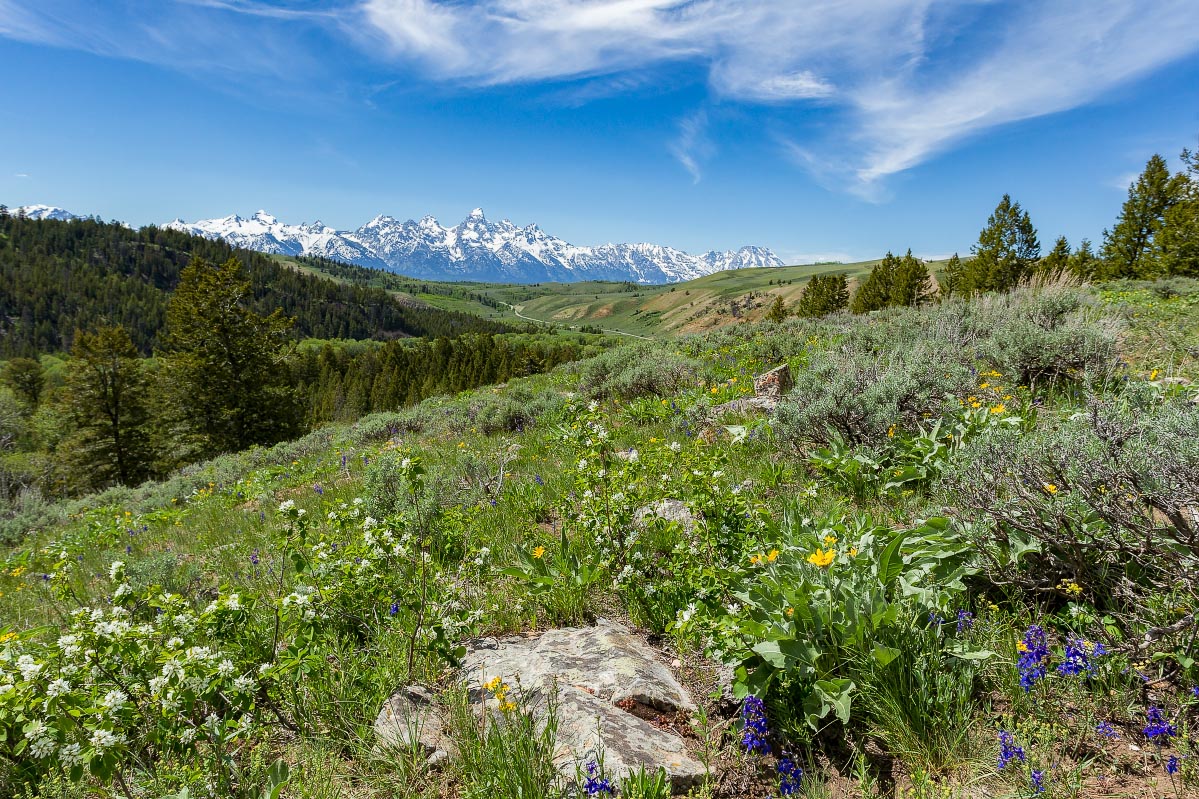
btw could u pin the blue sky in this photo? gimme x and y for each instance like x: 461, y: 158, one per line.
x: 830, y: 128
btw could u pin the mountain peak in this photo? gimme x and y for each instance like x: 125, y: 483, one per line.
x: 476, y: 214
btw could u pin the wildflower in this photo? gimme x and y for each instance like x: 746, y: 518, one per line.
x: 822, y: 558
x: 1000, y: 408
x: 1070, y: 587
x: 1158, y: 727
x: 1038, y: 781
x: 853, y: 552
x: 1008, y: 750
x: 114, y: 700
x: 1079, y: 655
x: 1172, y: 765
x: 105, y: 739
x: 965, y: 620
x: 935, y: 618
x: 71, y: 755
x: 829, y: 540
x: 115, y: 569
x: 891, y: 431
x: 394, y: 609
x: 1034, y: 652
x: 254, y: 560
x: 1195, y: 691
x: 58, y: 688
x: 538, y: 552
x: 42, y: 747
x: 753, y: 720
x: 1050, y: 488
x: 1107, y: 731
x: 790, y: 775
x: 594, y: 784
x: 243, y: 685
x: 226, y: 668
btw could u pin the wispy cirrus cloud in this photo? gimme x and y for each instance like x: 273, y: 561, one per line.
x: 693, y: 144
x: 898, y: 81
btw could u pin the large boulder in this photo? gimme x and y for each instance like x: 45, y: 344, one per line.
x: 609, y: 691
x: 775, y: 383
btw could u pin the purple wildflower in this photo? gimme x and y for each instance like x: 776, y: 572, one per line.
x: 394, y: 609
x: 790, y: 775
x: 1158, y: 727
x: 1107, y: 731
x: 537, y: 479
x: 320, y: 492
x: 1034, y: 652
x: 1172, y: 765
x: 595, y: 785
x: 1008, y: 750
x: 254, y: 557
x: 965, y: 620
x: 753, y: 720
x: 1038, y: 781
x: 1078, y: 659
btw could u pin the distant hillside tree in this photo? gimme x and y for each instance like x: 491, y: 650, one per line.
x: 824, y: 294
x: 1176, y: 247
x: 227, y: 364
x: 1128, y: 248
x: 874, y: 293
x: 910, y: 284
x: 778, y: 310
x: 1084, y: 263
x: 1006, y: 253
x: 106, y: 401
x: 1058, y: 260
x: 950, y: 279
x: 26, y: 378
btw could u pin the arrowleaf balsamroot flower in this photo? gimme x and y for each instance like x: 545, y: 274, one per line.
x: 822, y: 557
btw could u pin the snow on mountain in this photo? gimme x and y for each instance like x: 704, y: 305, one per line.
x: 474, y: 249
x: 43, y: 212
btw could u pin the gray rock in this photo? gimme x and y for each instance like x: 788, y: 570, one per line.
x: 671, y: 510
x: 410, y: 720
x: 743, y: 406
x: 775, y: 383
x: 595, y: 677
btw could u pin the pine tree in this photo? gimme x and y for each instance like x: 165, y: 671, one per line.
x: 1058, y: 260
x: 106, y: 402
x: 227, y: 363
x: 824, y: 294
x: 1006, y: 252
x: 950, y: 280
x: 911, y: 284
x: 26, y: 378
x: 1176, y: 246
x: 874, y: 292
x: 1128, y: 248
x: 1084, y: 264
x: 778, y: 310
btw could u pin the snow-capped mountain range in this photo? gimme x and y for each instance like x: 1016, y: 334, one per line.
x: 474, y: 249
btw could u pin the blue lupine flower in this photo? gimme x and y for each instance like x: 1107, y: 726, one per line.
x: 537, y: 479
x: 1034, y: 652
x: 1172, y: 765
x: 1008, y: 750
x: 1038, y: 781
x: 254, y: 557
x: 1078, y: 660
x: 935, y: 618
x: 965, y: 620
x: 790, y: 775
x: 319, y: 491
x: 1107, y: 731
x: 1158, y: 727
x: 1195, y: 692
x: 595, y: 785
x: 753, y: 719
x: 394, y: 609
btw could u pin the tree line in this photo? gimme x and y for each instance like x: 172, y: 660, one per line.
x: 57, y: 277
x: 225, y: 377
x: 1156, y: 235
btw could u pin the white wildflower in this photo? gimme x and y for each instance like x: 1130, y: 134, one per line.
x: 58, y: 688
x: 42, y: 747
x: 244, y: 685
x: 123, y: 590
x: 115, y: 699
x: 27, y: 667
x: 71, y: 755
x: 287, y: 505
x: 675, y: 446
x: 226, y: 668
x: 174, y: 642
x: 105, y: 739
x: 115, y: 569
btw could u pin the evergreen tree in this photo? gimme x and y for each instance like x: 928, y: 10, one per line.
x: 778, y: 310
x: 950, y: 280
x: 1128, y: 247
x: 824, y: 294
x: 1084, y: 263
x: 1006, y: 252
x: 875, y: 291
x: 1176, y: 246
x: 1058, y: 260
x: 227, y: 363
x: 911, y: 284
x: 105, y: 401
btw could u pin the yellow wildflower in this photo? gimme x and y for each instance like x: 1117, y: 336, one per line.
x: 715, y: 389
x: 773, y: 556
x: 1153, y: 375
x: 821, y: 558
x: 829, y: 540
x: 6, y: 637
x: 1000, y: 408
x: 1050, y: 488
x: 790, y: 611
x: 984, y: 384
x: 538, y: 552
x: 17, y: 572
x: 1021, y: 646
x: 853, y: 552
x: 492, y: 684
x: 976, y: 405
x: 891, y: 431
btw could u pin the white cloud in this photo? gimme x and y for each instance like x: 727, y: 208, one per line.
x: 21, y: 175
x: 693, y: 144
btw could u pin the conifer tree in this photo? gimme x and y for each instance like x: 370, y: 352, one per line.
x: 778, y: 310
x: 911, y: 284
x: 1084, y: 263
x: 26, y: 378
x: 1006, y: 252
x: 824, y: 294
x: 1176, y: 246
x: 875, y: 291
x: 1058, y: 259
x: 106, y: 402
x: 1128, y: 248
x: 950, y: 280
x: 227, y: 363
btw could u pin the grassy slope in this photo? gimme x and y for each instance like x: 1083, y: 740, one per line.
x: 201, y: 529
x: 692, y: 306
